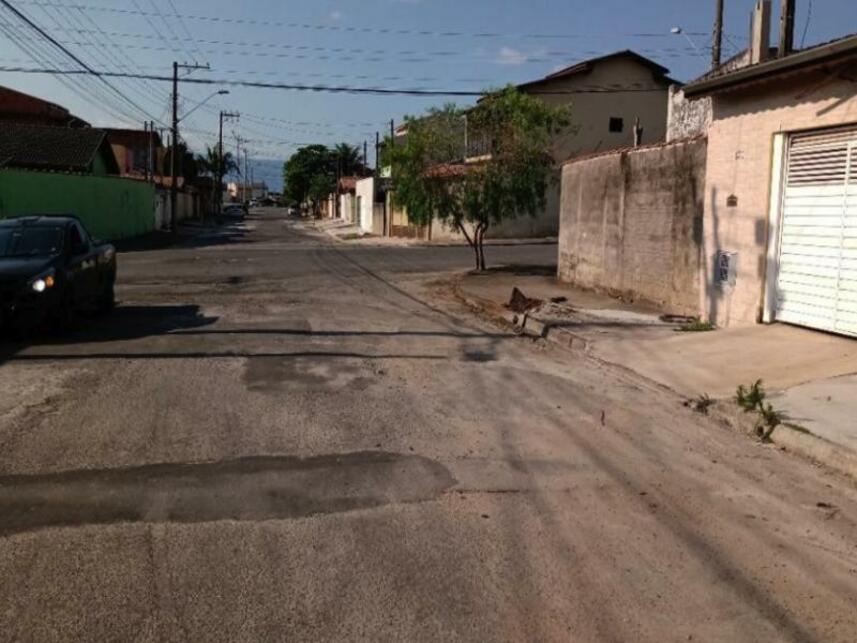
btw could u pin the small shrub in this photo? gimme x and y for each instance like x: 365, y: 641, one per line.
x: 752, y: 398
x: 697, y: 326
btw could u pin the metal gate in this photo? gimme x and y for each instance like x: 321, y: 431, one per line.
x: 817, y: 276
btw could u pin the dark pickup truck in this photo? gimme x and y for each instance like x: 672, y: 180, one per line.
x: 50, y: 270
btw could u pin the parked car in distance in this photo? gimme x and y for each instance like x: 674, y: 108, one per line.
x: 50, y: 269
x: 235, y: 210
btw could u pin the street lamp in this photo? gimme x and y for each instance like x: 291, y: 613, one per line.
x: 222, y: 92
x: 678, y: 31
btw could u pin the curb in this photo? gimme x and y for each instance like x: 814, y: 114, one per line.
x: 523, y: 322
x: 807, y: 445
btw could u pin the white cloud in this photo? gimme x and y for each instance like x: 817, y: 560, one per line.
x: 511, y: 56
x: 336, y: 15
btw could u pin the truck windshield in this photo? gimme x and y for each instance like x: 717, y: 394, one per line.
x: 36, y: 241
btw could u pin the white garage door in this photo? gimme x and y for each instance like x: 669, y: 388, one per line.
x: 817, y: 284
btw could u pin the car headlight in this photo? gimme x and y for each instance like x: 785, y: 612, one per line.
x: 44, y: 282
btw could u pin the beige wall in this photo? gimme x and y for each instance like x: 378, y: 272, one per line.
x: 591, y: 112
x: 590, y: 131
x: 631, y: 224
x: 365, y: 194
x: 739, y: 164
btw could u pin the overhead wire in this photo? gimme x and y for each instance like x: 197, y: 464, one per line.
x: 368, y: 30
x: 335, y: 89
x: 38, y: 29
x: 43, y: 56
x: 104, y: 57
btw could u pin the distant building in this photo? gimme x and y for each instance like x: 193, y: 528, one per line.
x: 17, y: 107
x: 247, y: 192
x: 139, y: 153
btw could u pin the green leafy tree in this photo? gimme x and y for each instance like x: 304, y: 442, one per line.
x: 433, y: 182
x: 309, y: 175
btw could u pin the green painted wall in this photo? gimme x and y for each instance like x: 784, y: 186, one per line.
x: 111, y: 208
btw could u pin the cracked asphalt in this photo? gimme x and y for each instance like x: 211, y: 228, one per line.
x: 275, y: 437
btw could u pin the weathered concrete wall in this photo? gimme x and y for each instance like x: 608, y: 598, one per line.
x: 630, y: 224
x: 687, y: 118
x: 740, y: 150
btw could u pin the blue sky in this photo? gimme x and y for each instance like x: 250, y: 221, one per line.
x: 438, y: 44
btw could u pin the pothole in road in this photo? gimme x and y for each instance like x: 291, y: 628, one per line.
x: 250, y: 489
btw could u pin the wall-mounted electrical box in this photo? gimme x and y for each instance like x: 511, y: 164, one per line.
x: 726, y: 268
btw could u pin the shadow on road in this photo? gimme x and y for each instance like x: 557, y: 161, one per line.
x: 124, y: 323
x: 229, y: 232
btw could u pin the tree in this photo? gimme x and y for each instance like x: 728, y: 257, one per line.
x: 309, y: 175
x: 433, y: 181
x: 209, y: 163
x: 348, y: 160
x: 188, y: 162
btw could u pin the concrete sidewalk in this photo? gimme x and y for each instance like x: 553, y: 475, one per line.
x: 811, y: 376
x: 342, y: 230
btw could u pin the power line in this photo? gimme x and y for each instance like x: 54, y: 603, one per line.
x: 41, y: 57
x: 367, y: 30
x: 71, y: 55
x: 48, y: 57
x: 104, y: 57
x: 410, y: 55
x: 342, y: 89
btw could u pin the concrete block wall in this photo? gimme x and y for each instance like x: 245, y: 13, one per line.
x: 631, y: 224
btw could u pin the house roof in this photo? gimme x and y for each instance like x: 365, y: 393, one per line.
x: 728, y: 77
x: 18, y: 104
x: 585, y: 67
x: 45, y: 147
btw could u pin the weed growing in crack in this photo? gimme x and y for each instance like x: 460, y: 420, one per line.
x: 752, y: 399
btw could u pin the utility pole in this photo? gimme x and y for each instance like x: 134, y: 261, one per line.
x: 717, y: 48
x: 148, y: 150
x: 377, y: 154
x: 365, y: 155
x: 221, y: 170
x: 392, y: 132
x: 246, y: 172
x: 175, y: 132
x: 152, y: 161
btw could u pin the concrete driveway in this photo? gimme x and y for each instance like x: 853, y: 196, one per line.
x: 279, y: 438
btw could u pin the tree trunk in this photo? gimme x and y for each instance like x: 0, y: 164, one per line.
x: 481, y: 229
x: 472, y: 243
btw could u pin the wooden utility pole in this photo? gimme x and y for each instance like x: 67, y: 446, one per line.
x: 377, y: 154
x: 220, y: 169
x: 174, y: 161
x: 175, y: 148
x: 717, y: 48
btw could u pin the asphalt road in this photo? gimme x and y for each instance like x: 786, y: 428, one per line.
x: 279, y: 438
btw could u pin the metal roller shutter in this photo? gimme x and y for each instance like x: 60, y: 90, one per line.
x: 817, y: 283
